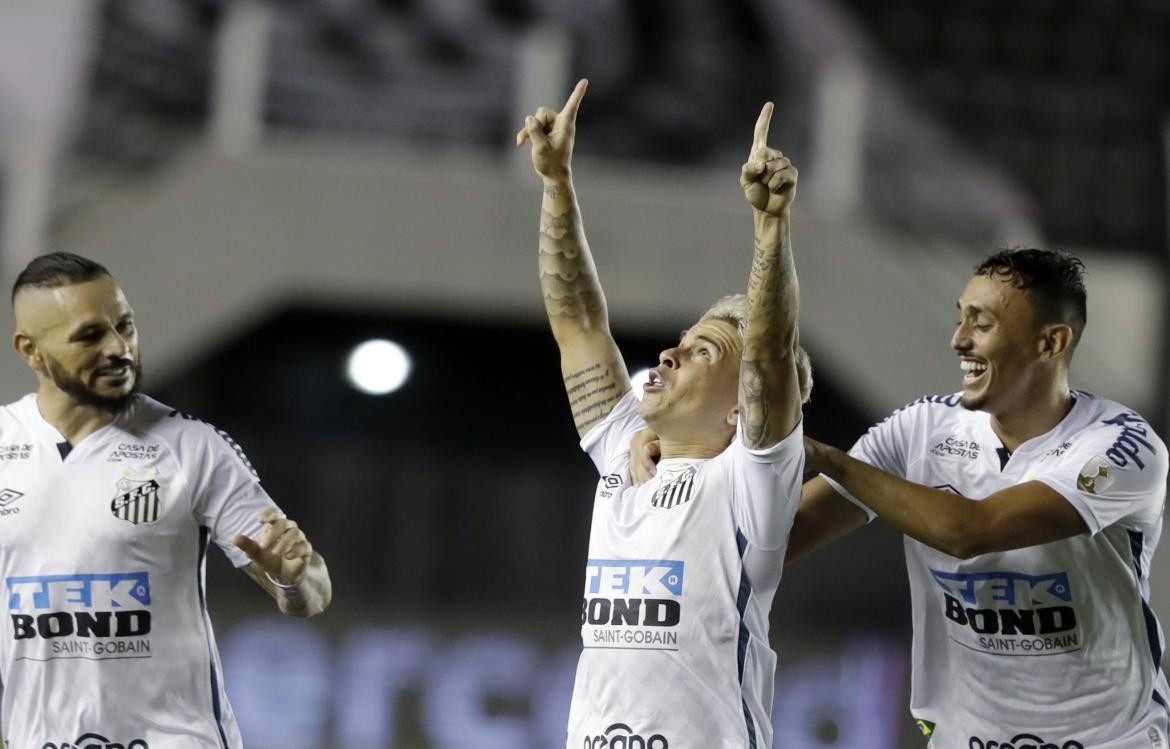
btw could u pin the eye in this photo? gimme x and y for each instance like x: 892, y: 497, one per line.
x: 126, y: 327
x: 983, y: 328
x: 706, y: 353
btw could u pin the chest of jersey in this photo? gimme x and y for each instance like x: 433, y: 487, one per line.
x: 663, y: 566
x: 967, y: 460
x: 113, y: 500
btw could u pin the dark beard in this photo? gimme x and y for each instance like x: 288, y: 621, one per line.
x: 84, y: 395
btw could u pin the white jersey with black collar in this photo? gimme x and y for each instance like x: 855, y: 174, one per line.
x: 106, y: 637
x: 680, y: 577
x: 1052, y: 645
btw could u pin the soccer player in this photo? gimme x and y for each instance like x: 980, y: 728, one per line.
x: 108, y: 500
x: 681, y: 571
x: 1031, y: 512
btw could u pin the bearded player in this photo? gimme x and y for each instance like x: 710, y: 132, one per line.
x: 682, y: 570
x: 109, y: 501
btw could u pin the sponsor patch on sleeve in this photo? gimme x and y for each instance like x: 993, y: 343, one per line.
x: 1096, y: 476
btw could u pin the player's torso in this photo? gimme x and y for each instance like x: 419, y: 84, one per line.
x: 98, y: 559
x: 660, y: 623
x: 998, y: 637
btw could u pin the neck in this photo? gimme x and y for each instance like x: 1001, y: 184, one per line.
x: 1039, y: 414
x: 686, y: 449
x: 73, y: 420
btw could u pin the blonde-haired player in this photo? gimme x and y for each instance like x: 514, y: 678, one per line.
x: 681, y: 570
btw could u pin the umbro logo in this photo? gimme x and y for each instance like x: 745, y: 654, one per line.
x: 609, y: 482
x: 7, y: 497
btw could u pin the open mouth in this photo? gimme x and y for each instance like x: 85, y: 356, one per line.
x: 654, y: 384
x: 973, y: 371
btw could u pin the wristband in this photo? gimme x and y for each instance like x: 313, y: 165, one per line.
x: 286, y: 591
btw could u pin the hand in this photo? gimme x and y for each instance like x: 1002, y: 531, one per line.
x: 282, y: 551
x: 552, y: 135
x: 645, y: 449
x: 768, y: 178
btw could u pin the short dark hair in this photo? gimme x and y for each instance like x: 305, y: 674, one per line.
x: 58, y: 269
x: 1054, y: 280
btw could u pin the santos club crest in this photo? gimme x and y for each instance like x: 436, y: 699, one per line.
x: 136, y: 501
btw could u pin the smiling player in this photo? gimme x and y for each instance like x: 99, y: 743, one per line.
x: 1031, y: 513
x: 108, y: 503
x: 682, y: 570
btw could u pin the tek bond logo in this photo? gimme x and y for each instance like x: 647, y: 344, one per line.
x: 97, y: 605
x: 1009, y: 612
x: 632, y: 602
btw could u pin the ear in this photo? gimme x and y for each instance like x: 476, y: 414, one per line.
x: 26, y: 348
x: 733, y: 417
x: 1054, y: 341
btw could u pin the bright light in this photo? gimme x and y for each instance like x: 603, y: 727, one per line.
x: 378, y: 367
x: 638, y: 379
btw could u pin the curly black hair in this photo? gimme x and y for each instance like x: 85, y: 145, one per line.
x: 1054, y: 280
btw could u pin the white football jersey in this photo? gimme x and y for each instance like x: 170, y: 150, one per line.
x: 106, y: 637
x: 680, y: 577
x: 1052, y: 645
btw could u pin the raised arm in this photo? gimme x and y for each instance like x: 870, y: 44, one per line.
x: 769, y: 385
x: 594, y: 374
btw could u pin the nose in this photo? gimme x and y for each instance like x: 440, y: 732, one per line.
x: 961, y: 339
x: 669, y: 358
x: 117, y: 347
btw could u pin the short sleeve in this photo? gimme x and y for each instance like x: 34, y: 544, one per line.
x: 883, y: 447
x: 765, y: 487
x: 608, y: 443
x: 764, y: 495
x: 225, y: 489
x: 1115, y: 475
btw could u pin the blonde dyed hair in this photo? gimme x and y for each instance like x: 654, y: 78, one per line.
x: 733, y: 310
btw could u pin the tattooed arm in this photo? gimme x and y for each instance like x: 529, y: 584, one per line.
x: 595, y: 375
x: 769, y: 382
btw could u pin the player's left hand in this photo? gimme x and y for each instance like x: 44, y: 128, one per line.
x: 282, y: 550
x: 768, y: 178
x: 645, y: 449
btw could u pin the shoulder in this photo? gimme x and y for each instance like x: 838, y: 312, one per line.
x: 186, y: 434
x: 929, y: 409
x: 11, y: 414
x: 1119, y: 432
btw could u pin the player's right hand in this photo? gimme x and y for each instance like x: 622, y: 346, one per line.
x: 645, y: 449
x: 552, y: 135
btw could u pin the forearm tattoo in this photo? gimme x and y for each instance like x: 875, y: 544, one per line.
x: 568, y: 278
x: 772, y: 312
x: 593, y: 392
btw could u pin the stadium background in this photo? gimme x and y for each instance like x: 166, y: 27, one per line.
x: 274, y: 183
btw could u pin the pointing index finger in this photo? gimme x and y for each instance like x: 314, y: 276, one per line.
x: 765, y: 119
x: 574, y: 102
